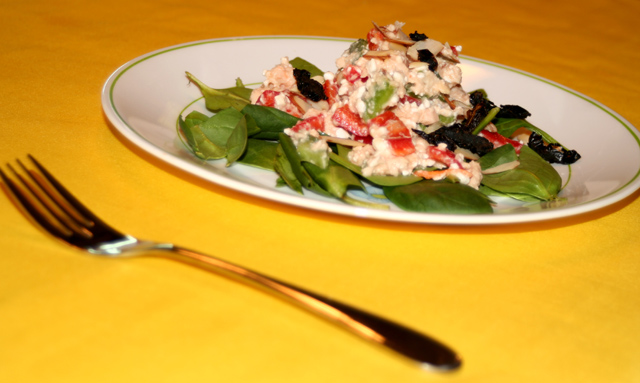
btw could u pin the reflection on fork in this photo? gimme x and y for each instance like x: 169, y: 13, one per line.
x: 56, y: 210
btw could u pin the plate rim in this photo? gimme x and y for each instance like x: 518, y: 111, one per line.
x: 129, y: 132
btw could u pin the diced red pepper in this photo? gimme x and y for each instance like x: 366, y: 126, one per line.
x: 352, y: 73
x: 268, y: 98
x: 395, y: 127
x: 401, y: 146
x: 408, y: 99
x: 331, y: 91
x: 368, y: 140
x: 446, y: 156
x: 350, y: 121
x: 499, y: 140
x: 311, y: 123
x: 374, y: 33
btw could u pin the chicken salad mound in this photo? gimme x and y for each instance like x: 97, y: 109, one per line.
x: 384, y: 91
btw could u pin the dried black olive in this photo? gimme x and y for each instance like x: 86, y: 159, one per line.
x: 481, y: 108
x: 476, y: 97
x: 570, y: 157
x: 552, y: 153
x: 309, y: 87
x: 425, y: 56
x: 456, y: 136
x: 435, y: 138
x: 513, y: 111
x: 415, y: 36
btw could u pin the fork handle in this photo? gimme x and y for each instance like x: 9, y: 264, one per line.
x: 427, y: 352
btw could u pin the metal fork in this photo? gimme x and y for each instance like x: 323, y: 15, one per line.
x: 47, y: 202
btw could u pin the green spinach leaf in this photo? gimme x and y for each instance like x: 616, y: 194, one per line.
x: 218, y: 128
x: 270, y: 121
x: 237, y: 142
x: 508, y: 126
x: 297, y: 168
x: 439, y: 197
x: 224, y: 135
x: 201, y: 146
x: 520, y: 197
x: 260, y: 154
x: 534, y: 177
x: 502, y: 155
x: 300, y: 63
x: 217, y: 99
x: 335, y: 179
x: 283, y: 167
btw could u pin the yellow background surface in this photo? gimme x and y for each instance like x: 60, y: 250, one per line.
x: 555, y: 301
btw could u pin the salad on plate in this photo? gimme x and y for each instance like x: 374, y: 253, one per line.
x: 392, y: 124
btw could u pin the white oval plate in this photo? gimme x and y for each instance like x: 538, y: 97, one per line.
x: 145, y: 96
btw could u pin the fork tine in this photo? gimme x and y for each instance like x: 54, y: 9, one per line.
x: 66, y: 215
x: 80, y: 208
x: 64, y: 199
x: 54, y: 203
x: 29, y: 205
x: 54, y: 208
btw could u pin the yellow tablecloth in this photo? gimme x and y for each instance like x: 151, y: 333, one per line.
x: 555, y: 301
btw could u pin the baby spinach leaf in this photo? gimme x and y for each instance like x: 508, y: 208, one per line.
x: 508, y: 126
x: 196, y: 117
x: 534, y: 177
x: 237, y: 142
x: 283, y: 167
x: 222, y: 135
x: 499, y: 156
x: 494, y: 193
x: 298, y: 168
x: 439, y: 197
x: 219, y: 127
x: 289, y: 150
x: 199, y: 142
x: 517, y: 181
x: 309, y: 153
x: 260, y: 154
x: 271, y: 121
x: 201, y: 146
x: 217, y: 99
x: 252, y: 126
x: 531, y: 161
x: 186, y: 124
x: 335, y: 179
x: 300, y: 63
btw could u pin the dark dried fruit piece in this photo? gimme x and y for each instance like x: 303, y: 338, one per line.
x: 513, y: 111
x: 552, y: 153
x: 415, y: 36
x: 309, y: 87
x: 456, y: 136
x: 425, y: 56
x: 481, y: 108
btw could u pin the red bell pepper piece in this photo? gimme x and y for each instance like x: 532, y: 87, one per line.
x: 350, y: 121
